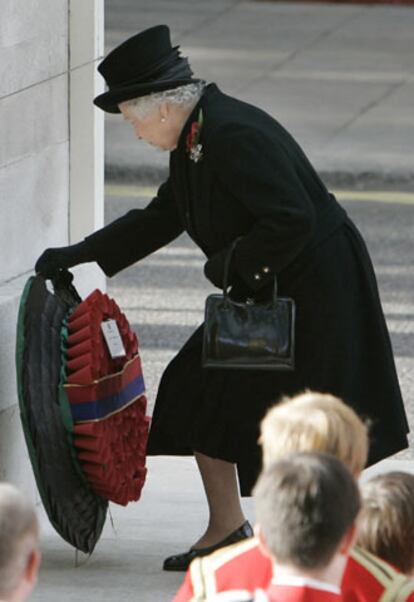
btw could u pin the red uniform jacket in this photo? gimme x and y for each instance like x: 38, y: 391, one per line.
x: 243, y: 566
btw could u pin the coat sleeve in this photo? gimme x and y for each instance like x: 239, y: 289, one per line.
x: 257, y: 171
x: 137, y: 234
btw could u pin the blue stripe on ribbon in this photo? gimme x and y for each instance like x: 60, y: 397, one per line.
x: 96, y: 410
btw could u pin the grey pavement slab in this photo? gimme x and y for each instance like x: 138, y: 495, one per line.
x: 339, y: 77
x: 271, y: 26
x: 126, y: 17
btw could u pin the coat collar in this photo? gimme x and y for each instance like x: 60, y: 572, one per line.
x: 210, y: 91
x: 188, y: 173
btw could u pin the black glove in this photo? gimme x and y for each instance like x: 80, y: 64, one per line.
x: 52, y: 260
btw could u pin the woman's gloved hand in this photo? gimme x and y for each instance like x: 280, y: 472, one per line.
x: 52, y: 260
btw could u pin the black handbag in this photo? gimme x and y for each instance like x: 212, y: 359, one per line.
x: 250, y: 335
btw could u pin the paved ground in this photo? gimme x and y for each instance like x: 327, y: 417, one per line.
x: 341, y: 78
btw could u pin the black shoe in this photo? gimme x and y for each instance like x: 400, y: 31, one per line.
x: 181, y: 562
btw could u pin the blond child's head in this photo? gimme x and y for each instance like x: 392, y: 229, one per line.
x: 315, y: 422
x: 19, y: 555
x: 386, y: 523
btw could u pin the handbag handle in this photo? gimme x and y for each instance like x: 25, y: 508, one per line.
x: 227, y: 271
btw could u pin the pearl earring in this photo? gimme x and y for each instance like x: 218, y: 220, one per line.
x: 163, y: 120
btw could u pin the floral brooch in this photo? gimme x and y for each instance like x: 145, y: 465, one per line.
x: 193, y: 146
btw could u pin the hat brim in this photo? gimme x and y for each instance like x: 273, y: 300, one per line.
x: 109, y: 101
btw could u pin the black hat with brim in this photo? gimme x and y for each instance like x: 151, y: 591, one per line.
x: 143, y: 64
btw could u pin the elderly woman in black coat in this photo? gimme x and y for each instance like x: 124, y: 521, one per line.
x: 236, y: 173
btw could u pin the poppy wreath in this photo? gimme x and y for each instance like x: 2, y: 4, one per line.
x: 76, y: 512
x: 82, y: 410
x: 106, y: 399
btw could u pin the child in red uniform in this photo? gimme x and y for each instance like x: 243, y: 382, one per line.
x: 306, y: 506
x: 307, y: 422
x: 386, y: 526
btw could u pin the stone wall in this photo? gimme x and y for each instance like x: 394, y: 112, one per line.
x: 51, y: 166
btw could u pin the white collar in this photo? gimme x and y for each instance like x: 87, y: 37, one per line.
x: 297, y: 581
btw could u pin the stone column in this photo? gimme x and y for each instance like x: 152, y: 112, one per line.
x: 86, y: 128
x: 51, y: 167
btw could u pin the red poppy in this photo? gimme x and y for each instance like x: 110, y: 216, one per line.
x: 192, y: 135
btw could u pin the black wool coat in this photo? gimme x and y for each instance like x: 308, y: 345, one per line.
x: 255, y: 182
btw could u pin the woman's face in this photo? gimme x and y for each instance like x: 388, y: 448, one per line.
x: 160, y: 128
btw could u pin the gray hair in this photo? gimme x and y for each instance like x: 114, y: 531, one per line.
x: 184, y: 96
x: 18, y: 537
